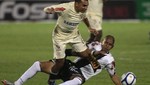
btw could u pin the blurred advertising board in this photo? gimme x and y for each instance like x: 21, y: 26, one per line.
x: 26, y: 9
x: 21, y: 10
x: 119, y: 9
x: 143, y: 9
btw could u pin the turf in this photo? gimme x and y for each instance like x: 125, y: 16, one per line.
x: 23, y: 43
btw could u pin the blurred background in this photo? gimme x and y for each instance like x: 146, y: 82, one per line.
x: 22, y: 10
x: 30, y: 40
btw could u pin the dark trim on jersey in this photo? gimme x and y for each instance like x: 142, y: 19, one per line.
x: 83, y: 62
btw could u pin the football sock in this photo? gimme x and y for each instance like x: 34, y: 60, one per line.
x: 29, y: 73
x: 75, y: 81
x: 68, y: 52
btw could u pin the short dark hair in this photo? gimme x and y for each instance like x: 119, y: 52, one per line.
x: 77, y: 0
x: 110, y: 36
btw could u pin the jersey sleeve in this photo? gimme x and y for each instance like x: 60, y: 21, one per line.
x: 111, y: 68
x: 64, y: 5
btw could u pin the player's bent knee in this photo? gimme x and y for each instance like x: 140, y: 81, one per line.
x: 36, y: 63
x: 36, y: 66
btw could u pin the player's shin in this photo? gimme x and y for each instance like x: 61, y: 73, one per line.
x: 29, y: 73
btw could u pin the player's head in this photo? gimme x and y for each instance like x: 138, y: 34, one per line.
x: 81, y: 5
x: 108, y: 43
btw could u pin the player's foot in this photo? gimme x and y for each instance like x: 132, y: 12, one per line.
x: 5, y: 82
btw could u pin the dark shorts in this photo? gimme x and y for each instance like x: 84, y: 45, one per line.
x: 69, y: 69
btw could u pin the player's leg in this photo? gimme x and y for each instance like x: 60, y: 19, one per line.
x: 91, y: 38
x: 95, y: 37
x: 70, y: 74
x: 82, y: 50
x: 36, y: 67
x: 68, y: 52
x: 51, y: 81
x: 96, y: 23
x: 91, y: 58
x: 59, y: 47
x: 74, y: 81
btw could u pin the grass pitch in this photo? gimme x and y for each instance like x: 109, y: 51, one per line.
x: 21, y: 44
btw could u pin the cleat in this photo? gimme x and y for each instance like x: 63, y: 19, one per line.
x: 5, y: 82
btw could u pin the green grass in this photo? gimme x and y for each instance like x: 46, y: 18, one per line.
x: 23, y: 43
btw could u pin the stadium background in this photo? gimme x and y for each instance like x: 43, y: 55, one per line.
x: 22, y: 43
x: 32, y: 9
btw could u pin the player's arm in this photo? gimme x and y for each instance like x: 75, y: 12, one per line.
x: 115, y: 79
x: 54, y: 8
x: 98, y: 36
x: 51, y: 10
x: 93, y: 31
x: 95, y: 34
x: 113, y: 75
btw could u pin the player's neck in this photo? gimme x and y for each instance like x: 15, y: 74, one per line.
x: 76, y: 8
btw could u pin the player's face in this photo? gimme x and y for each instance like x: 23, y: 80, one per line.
x: 107, y: 44
x: 82, y: 6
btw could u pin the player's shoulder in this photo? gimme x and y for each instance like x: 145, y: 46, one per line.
x: 70, y: 4
x: 108, y: 58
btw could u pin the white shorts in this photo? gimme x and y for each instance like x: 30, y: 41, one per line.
x: 59, y: 45
x: 95, y: 21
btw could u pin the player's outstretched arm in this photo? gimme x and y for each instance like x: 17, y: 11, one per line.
x: 93, y: 31
x: 112, y: 73
x: 115, y: 79
x: 51, y: 10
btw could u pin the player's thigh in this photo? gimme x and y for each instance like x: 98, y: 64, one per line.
x: 80, y: 47
x: 59, y: 47
x: 46, y: 66
x: 78, y: 44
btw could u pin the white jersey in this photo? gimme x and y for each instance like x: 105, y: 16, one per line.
x: 66, y: 30
x: 68, y: 20
x: 106, y: 62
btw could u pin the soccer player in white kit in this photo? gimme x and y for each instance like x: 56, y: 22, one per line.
x: 66, y: 32
x: 85, y: 69
x: 75, y: 73
x: 95, y: 17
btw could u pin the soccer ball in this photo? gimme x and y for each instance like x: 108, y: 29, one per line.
x: 128, y: 78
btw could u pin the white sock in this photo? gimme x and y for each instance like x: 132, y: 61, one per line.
x: 29, y: 73
x: 75, y: 81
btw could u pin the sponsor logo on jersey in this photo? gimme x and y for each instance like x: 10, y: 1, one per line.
x: 70, y: 23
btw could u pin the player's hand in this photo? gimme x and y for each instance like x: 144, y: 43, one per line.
x: 93, y: 31
x: 49, y: 10
x: 95, y: 43
x: 53, y: 10
x: 59, y: 9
